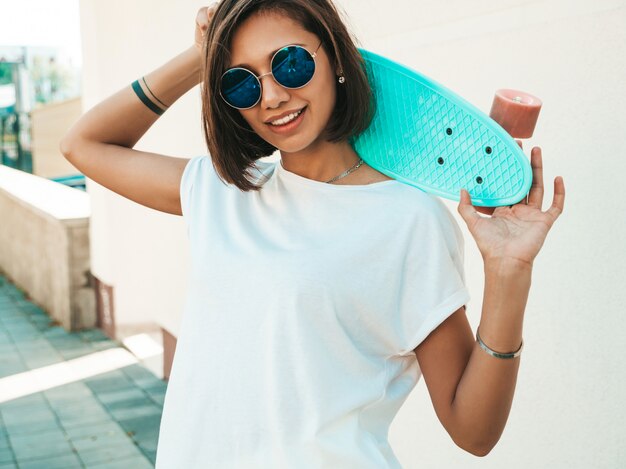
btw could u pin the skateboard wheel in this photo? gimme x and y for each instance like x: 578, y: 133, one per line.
x: 516, y: 112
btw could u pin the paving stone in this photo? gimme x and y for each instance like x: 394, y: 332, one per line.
x: 136, y: 371
x: 110, y: 454
x: 65, y: 340
x: 159, y: 399
x: 73, y: 402
x: 93, y: 335
x: 110, y: 397
x: 41, y: 362
x: 157, y: 391
x: 67, y: 345
x: 109, y: 427
x: 81, y: 407
x: 101, y: 441
x: 147, y: 437
x: 52, y: 432
x: 11, y: 319
x: 75, y: 352
x: 146, y: 410
x: 17, y: 416
x: 6, y: 346
x: 36, y: 355
x: 100, y: 346
x: 151, y: 455
x: 23, y: 327
x: 110, y: 420
x: 9, y: 352
x: 19, y: 325
x: 137, y: 462
x: 108, y: 384
x: 148, y: 440
x: 62, y: 403
x: 5, y: 339
x: 13, y: 369
x: 130, y: 403
x: 39, y: 448
x: 32, y: 309
x: 4, y: 443
x: 68, y: 461
x: 74, y: 389
x: 149, y: 383
x: 85, y: 418
x: 24, y: 401
x: 141, y: 425
x: 41, y: 319
x: 32, y: 427
x: 30, y: 342
x: 6, y: 455
x: 54, y: 331
x: 8, y: 409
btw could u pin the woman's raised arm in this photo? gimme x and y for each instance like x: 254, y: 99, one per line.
x: 100, y: 143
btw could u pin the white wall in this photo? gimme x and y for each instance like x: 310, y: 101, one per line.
x: 141, y: 252
x: 568, y: 410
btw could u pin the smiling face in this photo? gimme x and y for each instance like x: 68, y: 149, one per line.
x: 252, y: 47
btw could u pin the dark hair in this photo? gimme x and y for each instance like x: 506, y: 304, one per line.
x: 233, y: 145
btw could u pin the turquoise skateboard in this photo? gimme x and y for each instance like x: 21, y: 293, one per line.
x: 424, y: 135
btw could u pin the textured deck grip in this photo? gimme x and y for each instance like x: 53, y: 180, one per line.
x: 426, y: 136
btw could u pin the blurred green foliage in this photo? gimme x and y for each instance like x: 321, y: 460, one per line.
x: 5, y: 73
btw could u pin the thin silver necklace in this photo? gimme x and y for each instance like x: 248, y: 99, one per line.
x: 344, y: 174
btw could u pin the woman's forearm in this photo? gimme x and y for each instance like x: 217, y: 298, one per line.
x: 122, y: 119
x: 485, y: 392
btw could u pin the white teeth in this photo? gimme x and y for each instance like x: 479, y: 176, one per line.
x: 286, y: 119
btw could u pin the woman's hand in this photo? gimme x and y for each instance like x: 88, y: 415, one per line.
x: 517, y: 232
x: 203, y: 19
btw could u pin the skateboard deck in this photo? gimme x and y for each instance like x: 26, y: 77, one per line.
x: 425, y: 135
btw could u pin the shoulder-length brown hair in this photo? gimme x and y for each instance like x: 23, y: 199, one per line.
x: 233, y: 145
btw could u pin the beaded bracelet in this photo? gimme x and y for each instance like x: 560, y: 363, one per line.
x: 146, y: 100
x: 493, y: 353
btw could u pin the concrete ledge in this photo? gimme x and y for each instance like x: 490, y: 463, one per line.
x: 44, y: 245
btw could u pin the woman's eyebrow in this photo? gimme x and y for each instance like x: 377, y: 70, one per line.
x: 268, y: 56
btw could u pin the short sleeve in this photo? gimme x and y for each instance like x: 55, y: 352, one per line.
x: 189, y: 180
x: 433, y: 277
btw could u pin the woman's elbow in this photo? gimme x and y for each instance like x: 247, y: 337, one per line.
x: 67, y: 145
x: 479, y: 450
x: 475, y: 448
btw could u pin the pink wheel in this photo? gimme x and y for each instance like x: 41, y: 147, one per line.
x: 516, y: 112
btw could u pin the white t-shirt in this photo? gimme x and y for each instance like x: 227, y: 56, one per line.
x: 305, y: 303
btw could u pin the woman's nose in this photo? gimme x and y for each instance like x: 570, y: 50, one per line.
x: 272, y: 94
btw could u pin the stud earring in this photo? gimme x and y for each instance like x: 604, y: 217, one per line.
x: 341, y: 79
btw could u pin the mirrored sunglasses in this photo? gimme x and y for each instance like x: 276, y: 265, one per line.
x: 292, y: 67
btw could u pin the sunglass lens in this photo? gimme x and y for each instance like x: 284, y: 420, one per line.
x: 293, y: 66
x: 240, y: 88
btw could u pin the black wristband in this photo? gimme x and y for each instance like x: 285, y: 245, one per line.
x: 153, y: 95
x: 144, y: 99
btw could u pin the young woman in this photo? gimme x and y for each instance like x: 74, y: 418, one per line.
x: 321, y: 289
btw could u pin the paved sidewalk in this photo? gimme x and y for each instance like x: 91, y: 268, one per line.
x: 108, y: 420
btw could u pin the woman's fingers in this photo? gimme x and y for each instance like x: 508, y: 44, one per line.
x: 535, y: 196
x: 205, y: 15
x: 203, y: 19
x: 467, y: 210
x: 558, y: 201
